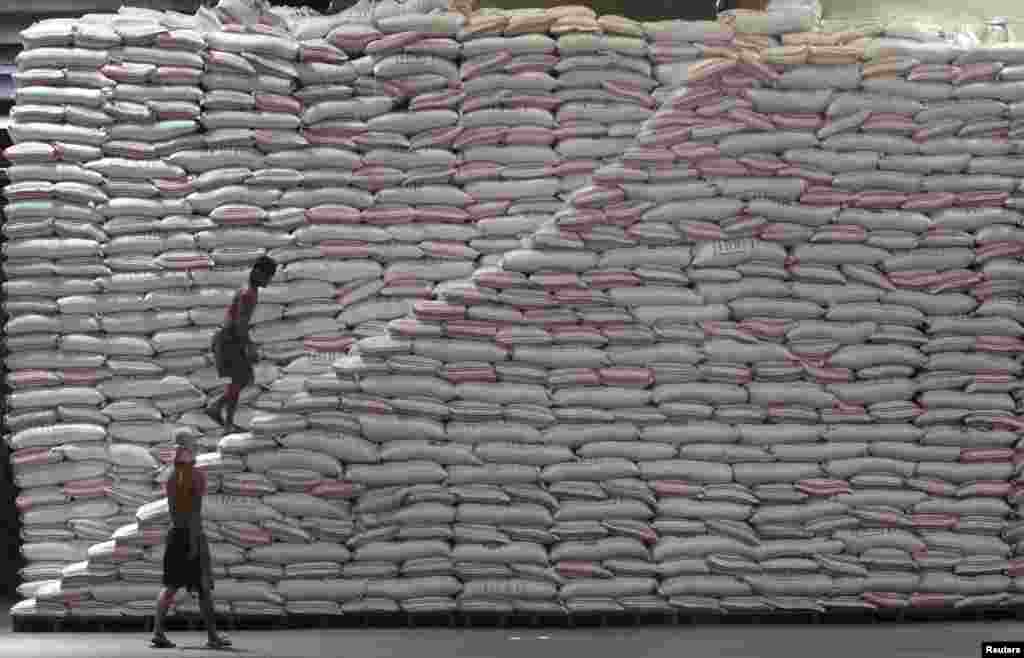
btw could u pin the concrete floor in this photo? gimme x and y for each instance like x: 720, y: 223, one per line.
x: 931, y: 640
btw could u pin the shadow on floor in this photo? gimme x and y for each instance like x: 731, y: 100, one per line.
x: 202, y: 647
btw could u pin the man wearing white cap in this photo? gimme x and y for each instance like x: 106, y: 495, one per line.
x: 187, y: 559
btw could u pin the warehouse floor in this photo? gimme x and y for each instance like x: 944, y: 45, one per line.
x: 939, y: 640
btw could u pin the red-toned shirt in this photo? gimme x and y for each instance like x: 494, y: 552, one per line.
x: 199, y: 485
x: 245, y: 298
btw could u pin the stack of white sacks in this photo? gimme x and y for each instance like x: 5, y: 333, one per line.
x: 805, y: 443
x: 100, y: 105
x: 745, y: 371
x: 764, y: 357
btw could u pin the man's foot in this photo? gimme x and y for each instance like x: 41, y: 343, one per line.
x: 232, y: 429
x: 218, y: 642
x: 214, y: 414
x: 160, y: 641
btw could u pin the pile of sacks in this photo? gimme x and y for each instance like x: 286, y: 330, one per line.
x: 157, y: 155
x: 764, y: 357
x: 96, y: 352
x: 778, y: 342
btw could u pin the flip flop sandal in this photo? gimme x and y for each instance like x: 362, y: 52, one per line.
x: 161, y: 642
x: 220, y: 643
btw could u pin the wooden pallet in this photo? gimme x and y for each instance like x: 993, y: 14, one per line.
x: 39, y: 624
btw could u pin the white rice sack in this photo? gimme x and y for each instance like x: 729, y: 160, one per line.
x: 768, y: 514
x: 68, y: 395
x: 703, y: 209
x: 842, y: 433
x: 493, y: 474
x: 846, y: 468
x: 125, y: 592
x: 705, y: 510
x: 679, y: 469
x: 962, y: 473
x: 262, y: 462
x: 493, y: 432
x: 509, y: 589
x: 591, y: 470
x: 922, y: 91
x: 876, y: 391
x: 796, y: 585
x: 691, y: 432
x: 343, y: 447
x: 404, y: 589
x: 285, y: 553
x: 967, y: 544
x: 633, y: 510
x: 500, y: 117
x: 885, y: 144
x: 796, y: 393
x: 805, y: 102
x: 779, y: 433
x: 800, y: 214
x: 414, y: 472
x: 622, y: 586
x: 55, y: 435
x: 818, y: 77
x: 438, y: 195
x: 777, y: 142
x: 58, y: 474
x: 218, y: 507
x: 61, y: 514
x: 330, y: 589
x: 753, y: 307
x: 417, y: 450
x: 382, y: 428
x: 753, y: 474
x: 730, y: 253
x: 424, y: 21
x: 131, y: 456
x: 68, y: 552
x: 818, y: 453
x: 481, y: 191
x: 304, y: 505
x: 412, y: 123
x: 406, y: 65
x: 672, y: 548
x: 386, y: 551
x: 836, y: 254
x: 512, y: 553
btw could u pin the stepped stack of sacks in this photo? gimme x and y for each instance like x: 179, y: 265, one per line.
x: 157, y: 155
x: 764, y: 357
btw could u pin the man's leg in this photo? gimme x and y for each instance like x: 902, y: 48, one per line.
x: 214, y: 409
x: 210, y: 615
x: 230, y: 401
x: 163, y: 603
